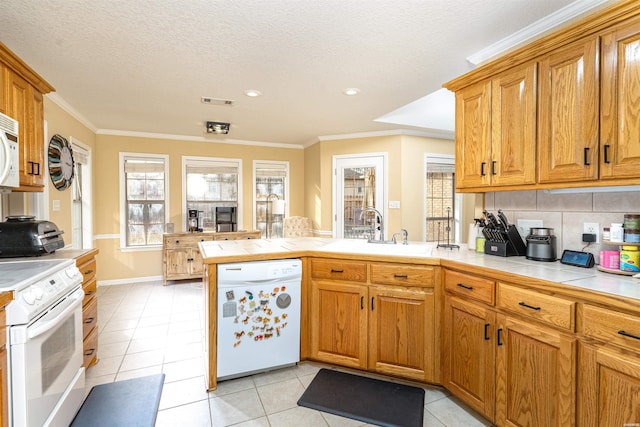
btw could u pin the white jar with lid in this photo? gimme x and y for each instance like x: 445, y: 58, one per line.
x: 616, y: 232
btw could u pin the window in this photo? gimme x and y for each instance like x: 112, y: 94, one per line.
x: 271, y: 183
x: 212, y: 183
x: 144, y: 186
x: 441, y: 209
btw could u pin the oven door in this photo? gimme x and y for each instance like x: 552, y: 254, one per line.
x: 47, y: 377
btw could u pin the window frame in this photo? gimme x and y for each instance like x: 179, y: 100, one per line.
x: 123, y: 156
x: 456, y: 215
x: 265, y: 163
x: 205, y: 161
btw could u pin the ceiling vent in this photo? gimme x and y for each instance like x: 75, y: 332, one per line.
x: 218, y: 128
x: 216, y: 101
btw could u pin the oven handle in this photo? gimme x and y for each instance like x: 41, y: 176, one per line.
x: 44, y: 325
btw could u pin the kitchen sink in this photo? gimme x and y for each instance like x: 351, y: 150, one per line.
x: 358, y: 246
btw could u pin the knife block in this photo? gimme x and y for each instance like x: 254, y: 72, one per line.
x: 511, y: 244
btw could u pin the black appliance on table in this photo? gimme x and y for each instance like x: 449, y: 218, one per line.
x: 25, y: 236
x: 502, y: 238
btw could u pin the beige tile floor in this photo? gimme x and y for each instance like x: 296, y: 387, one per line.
x: 148, y: 328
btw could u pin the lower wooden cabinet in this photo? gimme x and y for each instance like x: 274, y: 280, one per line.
x: 363, y: 324
x: 86, y: 263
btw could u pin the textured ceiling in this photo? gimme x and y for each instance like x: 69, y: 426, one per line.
x: 142, y: 66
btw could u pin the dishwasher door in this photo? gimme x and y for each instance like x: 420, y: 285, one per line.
x: 258, y: 316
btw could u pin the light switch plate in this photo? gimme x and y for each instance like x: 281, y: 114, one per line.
x: 394, y: 204
x: 524, y: 225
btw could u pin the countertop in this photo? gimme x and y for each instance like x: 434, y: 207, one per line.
x: 261, y: 249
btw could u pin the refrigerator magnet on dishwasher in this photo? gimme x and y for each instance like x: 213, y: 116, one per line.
x: 258, y: 316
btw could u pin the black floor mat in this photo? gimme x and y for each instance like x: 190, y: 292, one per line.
x: 370, y: 400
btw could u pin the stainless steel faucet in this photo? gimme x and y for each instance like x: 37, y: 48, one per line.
x: 372, y: 209
x: 404, y: 234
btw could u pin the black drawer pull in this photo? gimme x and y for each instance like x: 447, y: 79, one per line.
x: 89, y: 352
x: 469, y: 288
x: 400, y: 276
x: 177, y: 241
x: 88, y: 272
x: 87, y: 294
x: 606, y: 153
x: 486, y: 332
x: 586, y: 156
x: 89, y: 320
x: 523, y: 304
x: 499, y: 335
x: 626, y: 334
x: 337, y: 271
x: 482, y: 169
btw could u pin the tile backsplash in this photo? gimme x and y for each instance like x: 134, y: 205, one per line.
x: 566, y: 213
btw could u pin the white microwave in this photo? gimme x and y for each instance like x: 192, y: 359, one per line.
x: 9, y: 167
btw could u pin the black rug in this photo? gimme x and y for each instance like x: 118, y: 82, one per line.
x: 365, y: 399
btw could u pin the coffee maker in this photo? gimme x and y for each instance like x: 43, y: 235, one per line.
x: 192, y: 221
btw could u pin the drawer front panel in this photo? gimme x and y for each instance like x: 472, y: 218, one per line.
x: 611, y: 327
x: 549, y: 309
x: 402, y: 275
x: 469, y: 286
x: 88, y: 270
x: 186, y: 241
x: 339, y: 270
x: 90, y: 289
x: 89, y: 317
x: 90, y: 347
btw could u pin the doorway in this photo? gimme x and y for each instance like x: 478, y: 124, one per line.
x: 359, y: 182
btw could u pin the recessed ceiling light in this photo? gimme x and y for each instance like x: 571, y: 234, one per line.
x: 350, y: 91
x: 252, y: 93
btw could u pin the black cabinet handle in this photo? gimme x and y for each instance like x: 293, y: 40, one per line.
x: 465, y: 286
x: 493, y: 167
x: 371, y: 303
x: 89, y: 352
x: 88, y: 272
x: 400, y: 276
x: 523, y: 304
x: 177, y: 241
x: 499, y: 336
x: 486, y: 332
x: 89, y: 320
x: 337, y: 271
x: 482, y: 168
x: 361, y: 303
x: 88, y: 293
x: 606, y: 153
x: 586, y: 156
x: 626, y: 334
x: 37, y: 168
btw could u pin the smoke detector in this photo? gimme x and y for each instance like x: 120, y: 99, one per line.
x: 218, y: 128
x: 216, y: 101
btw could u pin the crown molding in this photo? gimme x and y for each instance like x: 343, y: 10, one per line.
x: 60, y: 102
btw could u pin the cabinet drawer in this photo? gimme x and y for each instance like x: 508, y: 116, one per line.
x: 88, y: 270
x: 403, y: 275
x: 470, y: 286
x: 90, y: 348
x: 89, y: 317
x: 186, y: 241
x: 611, y: 327
x: 90, y: 289
x: 549, y: 309
x: 339, y: 270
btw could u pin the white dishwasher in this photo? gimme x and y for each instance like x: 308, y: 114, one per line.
x: 258, y: 316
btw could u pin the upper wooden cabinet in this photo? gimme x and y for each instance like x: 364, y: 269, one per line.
x: 495, y: 130
x: 21, y: 97
x: 619, y: 107
x: 585, y: 131
x: 568, y: 113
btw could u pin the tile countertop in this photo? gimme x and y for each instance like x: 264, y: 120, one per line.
x: 586, y: 278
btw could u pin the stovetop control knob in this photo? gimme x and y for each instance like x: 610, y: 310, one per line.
x: 29, y: 297
x: 37, y: 291
x: 72, y: 272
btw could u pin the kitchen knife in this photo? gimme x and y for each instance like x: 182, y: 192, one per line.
x: 504, y: 220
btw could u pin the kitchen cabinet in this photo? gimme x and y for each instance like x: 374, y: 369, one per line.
x: 496, y: 130
x: 468, y: 342
x: 22, y: 99
x: 619, y: 109
x: 87, y: 264
x: 382, y: 321
x: 181, y: 258
x: 610, y: 368
x: 5, y: 298
x: 569, y: 91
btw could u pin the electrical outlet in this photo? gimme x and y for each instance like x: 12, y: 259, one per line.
x: 592, y: 228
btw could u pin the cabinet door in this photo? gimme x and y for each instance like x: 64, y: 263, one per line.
x: 178, y: 261
x: 36, y: 138
x: 620, y: 110
x: 339, y: 323
x: 513, y: 127
x: 18, y: 108
x: 401, y: 332
x: 568, y: 110
x: 196, y: 263
x: 468, y: 345
x: 535, y: 375
x: 473, y: 135
x: 610, y: 387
